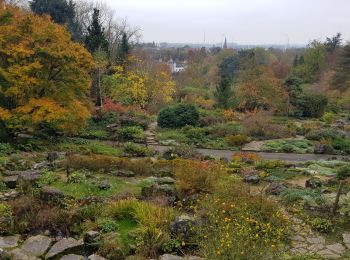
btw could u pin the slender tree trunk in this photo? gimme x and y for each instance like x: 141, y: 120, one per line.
x: 336, y: 202
x: 99, y: 86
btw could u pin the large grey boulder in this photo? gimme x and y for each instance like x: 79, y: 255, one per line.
x: 181, y: 226
x: 51, y: 194
x: 72, y: 257
x: 9, y: 242
x: 37, y: 245
x: 65, y: 246
x: 275, y: 188
x: 10, y: 181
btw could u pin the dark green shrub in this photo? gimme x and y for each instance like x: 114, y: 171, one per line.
x: 341, y: 144
x: 6, y: 149
x: 311, y: 105
x: 178, y: 115
x: 195, y: 135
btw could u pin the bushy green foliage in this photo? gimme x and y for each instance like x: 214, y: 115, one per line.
x: 107, y: 225
x: 77, y: 177
x: 130, y: 133
x: 321, y: 224
x: 136, y: 150
x: 178, y: 115
x: 47, y: 178
x: 312, y: 105
x: 329, y: 117
x: 6, y: 149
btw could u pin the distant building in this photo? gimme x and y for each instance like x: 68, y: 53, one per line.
x: 225, y: 44
x: 177, y: 67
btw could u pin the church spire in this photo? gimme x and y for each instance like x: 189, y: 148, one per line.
x: 225, y: 44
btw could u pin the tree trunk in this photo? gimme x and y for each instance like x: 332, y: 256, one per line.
x: 336, y: 202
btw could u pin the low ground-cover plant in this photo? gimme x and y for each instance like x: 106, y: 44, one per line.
x: 182, y: 151
x: 240, y: 226
x: 308, y: 197
x: 6, y: 149
x: 296, y: 146
x: 135, y: 150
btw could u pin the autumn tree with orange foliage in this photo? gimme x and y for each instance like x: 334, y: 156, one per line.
x: 44, y: 76
x: 258, y: 89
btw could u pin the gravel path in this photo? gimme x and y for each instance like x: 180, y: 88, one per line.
x: 288, y: 157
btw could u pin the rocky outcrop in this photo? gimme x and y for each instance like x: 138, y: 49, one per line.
x: 65, y: 246
x: 37, y: 245
x: 275, y: 188
x: 9, y: 242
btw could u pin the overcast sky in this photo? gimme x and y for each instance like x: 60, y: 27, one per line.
x: 242, y: 21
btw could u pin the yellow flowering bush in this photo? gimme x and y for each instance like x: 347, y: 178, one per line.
x: 240, y: 226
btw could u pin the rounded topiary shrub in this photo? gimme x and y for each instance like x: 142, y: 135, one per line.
x: 178, y: 115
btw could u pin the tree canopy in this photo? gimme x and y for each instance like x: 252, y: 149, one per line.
x: 44, y: 76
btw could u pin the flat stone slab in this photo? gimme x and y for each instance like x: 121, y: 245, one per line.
x: 316, y: 240
x: 328, y: 254
x: 297, y: 238
x: 96, y: 257
x: 346, y: 239
x: 72, y: 257
x: 19, y: 254
x: 337, y: 248
x: 9, y: 242
x: 65, y: 246
x: 37, y: 245
x: 170, y: 257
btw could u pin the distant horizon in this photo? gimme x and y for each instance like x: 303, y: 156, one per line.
x: 248, y: 22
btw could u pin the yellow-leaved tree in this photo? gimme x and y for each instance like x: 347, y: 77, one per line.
x: 144, y: 83
x: 44, y: 76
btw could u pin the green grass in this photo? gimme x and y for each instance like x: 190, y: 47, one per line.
x: 86, y: 146
x: 125, y: 226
